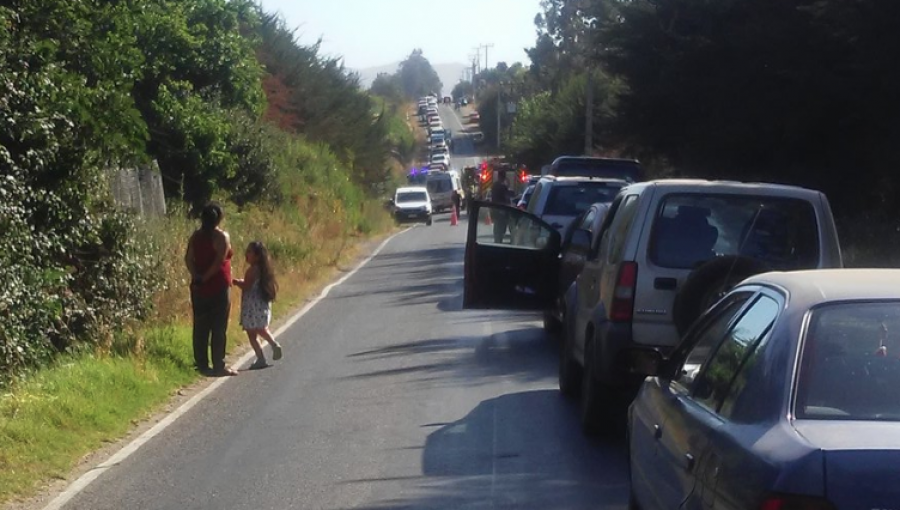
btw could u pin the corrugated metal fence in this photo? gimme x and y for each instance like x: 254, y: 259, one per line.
x: 139, y: 189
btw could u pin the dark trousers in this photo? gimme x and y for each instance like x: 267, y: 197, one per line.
x: 210, y: 324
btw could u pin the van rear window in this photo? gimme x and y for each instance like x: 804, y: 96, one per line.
x: 691, y: 229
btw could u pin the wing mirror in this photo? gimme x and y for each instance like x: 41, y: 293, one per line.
x: 581, y: 239
x: 645, y: 362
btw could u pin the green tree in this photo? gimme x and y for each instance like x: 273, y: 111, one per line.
x: 387, y: 86
x: 417, y: 76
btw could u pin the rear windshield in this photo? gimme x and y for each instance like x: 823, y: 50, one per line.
x: 439, y: 186
x: 851, y: 363
x: 411, y: 196
x: 691, y: 229
x: 575, y: 199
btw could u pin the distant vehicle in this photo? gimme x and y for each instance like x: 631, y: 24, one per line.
x: 448, y: 100
x: 629, y: 170
x: 442, y: 186
x: 783, y: 396
x: 464, y: 101
x: 440, y: 159
x: 412, y: 204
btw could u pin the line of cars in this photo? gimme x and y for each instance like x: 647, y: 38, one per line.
x: 435, y: 187
x: 713, y: 320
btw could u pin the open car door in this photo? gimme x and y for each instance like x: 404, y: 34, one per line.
x: 512, y: 259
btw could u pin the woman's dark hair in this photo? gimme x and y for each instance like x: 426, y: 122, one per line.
x: 267, y: 283
x: 211, y: 216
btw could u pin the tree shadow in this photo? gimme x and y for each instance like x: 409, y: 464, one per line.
x: 520, y: 450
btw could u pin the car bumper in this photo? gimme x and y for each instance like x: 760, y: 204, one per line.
x: 411, y: 215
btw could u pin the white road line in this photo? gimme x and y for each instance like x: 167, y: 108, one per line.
x: 86, y: 479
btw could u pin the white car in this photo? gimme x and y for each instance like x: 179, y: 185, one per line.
x: 441, y: 159
x: 412, y: 204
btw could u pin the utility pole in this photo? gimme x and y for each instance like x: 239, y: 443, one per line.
x: 499, y: 106
x: 486, y: 47
x: 589, y: 115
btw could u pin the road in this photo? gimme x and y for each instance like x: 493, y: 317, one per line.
x: 389, y: 397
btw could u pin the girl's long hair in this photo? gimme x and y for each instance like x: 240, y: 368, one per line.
x: 267, y: 283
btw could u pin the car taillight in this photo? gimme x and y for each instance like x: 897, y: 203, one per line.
x: 792, y: 502
x: 622, y: 307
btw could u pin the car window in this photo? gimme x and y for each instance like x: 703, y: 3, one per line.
x: 572, y: 200
x: 439, y: 185
x: 497, y: 225
x: 691, y: 229
x: 851, y: 363
x: 535, y: 197
x: 704, y: 339
x: 732, y: 353
x: 588, y: 222
x: 617, y: 234
x: 411, y: 196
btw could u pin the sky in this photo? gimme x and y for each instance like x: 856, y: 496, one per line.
x: 372, y: 33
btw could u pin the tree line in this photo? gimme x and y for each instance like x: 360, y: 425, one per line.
x: 796, y: 91
x: 219, y: 92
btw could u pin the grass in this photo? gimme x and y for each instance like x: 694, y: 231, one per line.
x: 74, y: 407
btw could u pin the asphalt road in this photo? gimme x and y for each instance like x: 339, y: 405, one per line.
x: 389, y: 397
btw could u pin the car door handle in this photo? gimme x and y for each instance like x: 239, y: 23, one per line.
x: 657, y: 432
x: 665, y: 283
x: 690, y: 461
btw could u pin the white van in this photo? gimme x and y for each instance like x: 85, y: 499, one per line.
x: 445, y: 189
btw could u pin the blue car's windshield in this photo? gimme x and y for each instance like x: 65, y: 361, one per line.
x: 851, y: 363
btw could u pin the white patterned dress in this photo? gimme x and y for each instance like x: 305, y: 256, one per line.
x: 256, y: 312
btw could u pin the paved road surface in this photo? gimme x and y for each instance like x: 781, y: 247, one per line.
x: 389, y: 397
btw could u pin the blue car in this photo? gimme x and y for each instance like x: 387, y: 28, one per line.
x: 785, y: 395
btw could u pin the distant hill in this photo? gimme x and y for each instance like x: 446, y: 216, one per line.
x: 448, y: 73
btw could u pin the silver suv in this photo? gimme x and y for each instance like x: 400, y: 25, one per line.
x: 667, y: 250
x: 559, y: 200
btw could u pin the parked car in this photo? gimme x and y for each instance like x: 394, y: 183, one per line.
x: 628, y: 170
x: 582, y: 236
x: 782, y: 396
x: 668, y: 250
x: 559, y: 200
x: 412, y: 204
x: 522, y: 202
x: 441, y: 159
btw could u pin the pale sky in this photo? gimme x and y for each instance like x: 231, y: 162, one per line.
x: 371, y: 33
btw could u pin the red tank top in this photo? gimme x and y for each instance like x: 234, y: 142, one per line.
x: 204, y: 256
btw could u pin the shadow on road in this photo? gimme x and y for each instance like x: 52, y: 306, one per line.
x: 521, y: 450
x: 520, y: 355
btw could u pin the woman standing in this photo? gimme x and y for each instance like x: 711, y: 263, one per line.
x: 208, y: 260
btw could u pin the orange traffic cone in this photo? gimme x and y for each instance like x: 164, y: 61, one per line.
x: 454, y: 220
x: 487, y: 218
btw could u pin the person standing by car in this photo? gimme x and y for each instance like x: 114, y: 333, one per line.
x: 500, y: 194
x: 208, y: 259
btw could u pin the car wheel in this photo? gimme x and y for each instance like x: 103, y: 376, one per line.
x: 569, y: 370
x: 708, y: 283
x: 428, y: 222
x: 591, y: 394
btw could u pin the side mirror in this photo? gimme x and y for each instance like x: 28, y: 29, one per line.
x: 645, y: 362
x: 581, y: 239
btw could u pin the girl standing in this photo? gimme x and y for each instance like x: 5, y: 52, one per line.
x: 258, y: 291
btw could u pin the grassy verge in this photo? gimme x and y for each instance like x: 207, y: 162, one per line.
x: 63, y: 412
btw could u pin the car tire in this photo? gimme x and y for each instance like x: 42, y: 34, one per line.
x: 428, y: 222
x: 708, y: 283
x: 592, y: 395
x: 569, y: 369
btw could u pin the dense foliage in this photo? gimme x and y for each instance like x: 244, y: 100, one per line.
x: 201, y: 86
x: 414, y: 78
x: 798, y: 91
